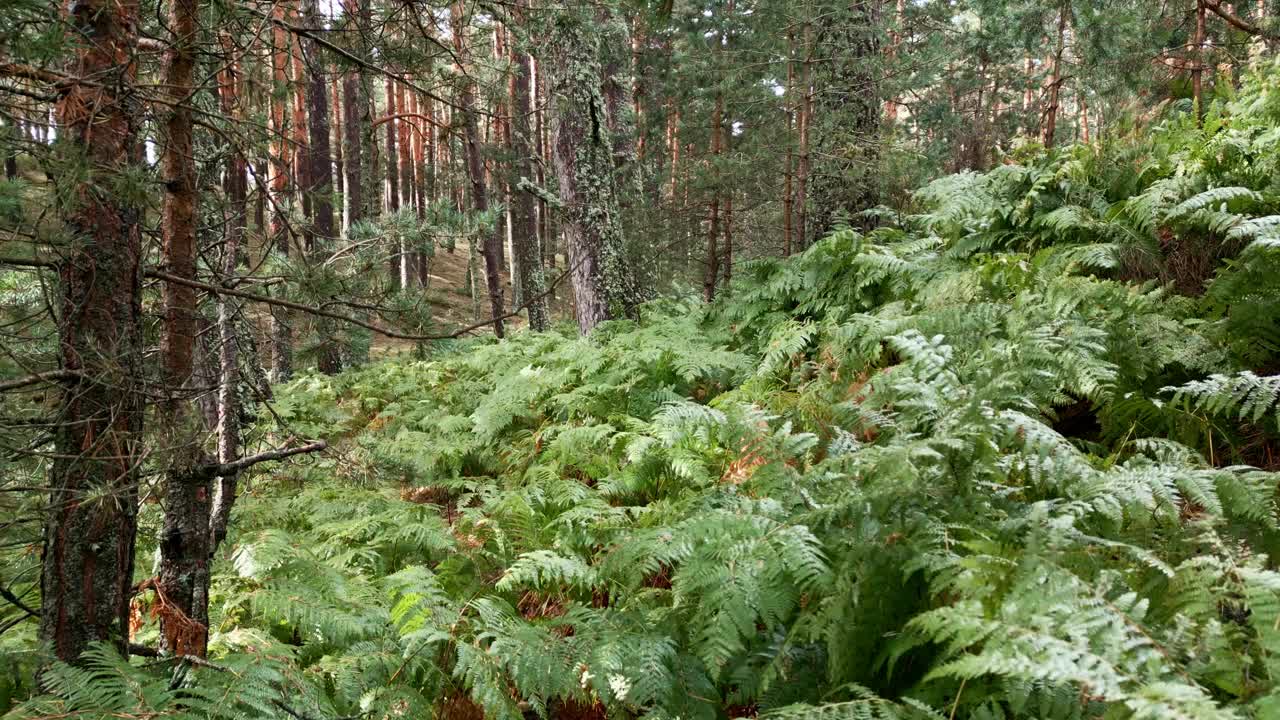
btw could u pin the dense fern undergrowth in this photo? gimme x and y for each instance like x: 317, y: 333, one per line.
x: 1008, y: 456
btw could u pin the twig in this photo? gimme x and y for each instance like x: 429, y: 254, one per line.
x: 17, y: 602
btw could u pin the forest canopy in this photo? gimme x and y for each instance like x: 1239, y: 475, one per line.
x: 367, y: 359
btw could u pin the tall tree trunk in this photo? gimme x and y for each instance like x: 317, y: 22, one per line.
x: 542, y: 130
x: 281, y: 158
x: 224, y: 493
x: 184, y: 539
x: 339, y: 168
x: 1197, y: 67
x: 351, y: 150
x: 320, y: 160
x: 366, y: 105
x: 320, y: 177
x: 524, y: 217
x: 711, y: 271
x: 584, y: 166
x: 1050, y: 127
x: 728, y: 239
x: 789, y: 168
x: 300, y: 146
x: 405, y: 144
x: 475, y: 170
x: 91, y: 527
x: 806, y: 113
x: 895, y: 42
x: 392, y: 192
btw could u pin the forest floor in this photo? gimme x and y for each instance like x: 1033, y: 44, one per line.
x: 451, y: 303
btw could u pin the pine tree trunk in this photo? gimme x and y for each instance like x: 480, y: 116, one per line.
x: 320, y: 160
x: 1050, y: 127
x: 789, y: 168
x: 366, y: 105
x: 405, y: 144
x: 711, y: 270
x: 728, y: 239
x: 91, y: 526
x: 1197, y: 67
x: 806, y: 112
x: 281, y: 162
x: 524, y: 216
x: 475, y: 171
x: 602, y: 282
x: 392, y: 192
x: 320, y: 179
x: 300, y: 147
x: 351, y: 151
x: 184, y: 539
x: 228, y: 428
x: 339, y: 166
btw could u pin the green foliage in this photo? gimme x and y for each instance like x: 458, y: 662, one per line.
x: 997, y: 462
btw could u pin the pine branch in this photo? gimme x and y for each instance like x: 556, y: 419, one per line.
x: 244, y: 463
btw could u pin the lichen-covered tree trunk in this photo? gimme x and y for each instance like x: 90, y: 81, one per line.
x: 583, y: 150
x: 846, y: 115
x: 527, y: 251
x: 184, y: 538
x: 91, y: 526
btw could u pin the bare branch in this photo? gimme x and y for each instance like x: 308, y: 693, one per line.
x: 235, y: 466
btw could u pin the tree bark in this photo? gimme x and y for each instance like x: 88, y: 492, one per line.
x: 475, y: 171
x: 281, y: 163
x: 236, y: 184
x: 806, y: 112
x: 339, y: 169
x: 1197, y: 68
x: 711, y: 271
x: 405, y: 144
x: 351, y: 150
x: 524, y: 211
x: 320, y: 177
x: 392, y: 193
x: 584, y: 166
x: 91, y: 527
x: 184, y: 549
x: 1050, y: 127
x: 320, y: 161
x: 789, y: 167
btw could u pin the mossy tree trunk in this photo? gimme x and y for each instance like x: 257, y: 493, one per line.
x: 583, y: 149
